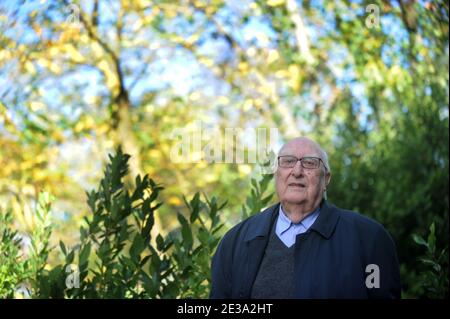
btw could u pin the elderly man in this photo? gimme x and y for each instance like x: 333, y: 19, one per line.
x: 303, y: 247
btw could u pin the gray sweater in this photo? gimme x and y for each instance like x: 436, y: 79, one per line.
x: 275, y: 279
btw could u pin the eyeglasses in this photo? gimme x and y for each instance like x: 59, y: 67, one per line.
x: 289, y: 161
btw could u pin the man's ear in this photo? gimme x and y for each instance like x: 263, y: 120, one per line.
x: 327, y: 178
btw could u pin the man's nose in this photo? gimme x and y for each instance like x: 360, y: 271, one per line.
x: 297, y: 170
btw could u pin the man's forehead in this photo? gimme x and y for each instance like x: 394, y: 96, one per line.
x: 303, y: 147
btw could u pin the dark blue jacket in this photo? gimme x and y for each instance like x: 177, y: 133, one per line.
x: 330, y: 258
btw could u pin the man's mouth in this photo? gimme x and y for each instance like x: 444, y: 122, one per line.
x: 301, y: 185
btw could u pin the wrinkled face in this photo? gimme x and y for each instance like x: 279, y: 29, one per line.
x: 300, y: 185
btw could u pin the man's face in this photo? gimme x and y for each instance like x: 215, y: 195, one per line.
x: 300, y: 185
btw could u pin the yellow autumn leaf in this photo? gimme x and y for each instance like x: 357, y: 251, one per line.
x: 294, y: 76
x: 248, y: 104
x: 244, y: 169
x: 37, y: 106
x: 202, y: 164
x: 110, y: 77
x: 273, y: 56
x: 57, y: 136
x: 154, y: 154
x: 89, y: 122
x: 253, y: 6
x: 74, y: 54
x: 103, y: 128
x: 30, y: 68
x: 275, y: 3
x: 193, y: 38
x: 25, y: 165
x: 243, y: 67
x: 258, y: 102
x: 5, y: 55
x: 207, y: 61
x: 194, y: 96
x: 281, y: 74
x: 78, y: 127
x: 210, y: 177
x: 55, y: 68
x: 97, y: 50
x: 171, y: 12
x: 39, y: 175
x: 53, y: 51
x: 199, y: 3
x: 173, y: 200
x: 223, y: 100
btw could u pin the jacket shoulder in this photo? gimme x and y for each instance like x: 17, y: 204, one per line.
x: 357, y: 219
x: 241, y: 229
x: 370, y: 228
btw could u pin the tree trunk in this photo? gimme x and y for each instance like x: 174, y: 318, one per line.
x: 124, y: 136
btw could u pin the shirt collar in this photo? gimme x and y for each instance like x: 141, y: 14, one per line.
x: 284, y: 222
x: 261, y: 224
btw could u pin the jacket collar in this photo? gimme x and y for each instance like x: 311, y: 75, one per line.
x: 262, y: 223
x: 326, y: 221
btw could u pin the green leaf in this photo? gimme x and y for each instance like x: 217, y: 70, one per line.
x: 103, y: 251
x: 266, y: 200
x: 92, y: 200
x: 419, y: 240
x: 149, y: 222
x: 63, y: 248
x: 84, y: 254
x: 185, y: 231
x: 137, y: 247
x: 70, y: 257
x: 159, y: 242
x: 195, y: 206
x: 254, y: 184
x: 432, y: 239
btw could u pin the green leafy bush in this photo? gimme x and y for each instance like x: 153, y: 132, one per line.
x: 20, y: 274
x: 435, y: 262
x: 257, y: 200
x: 12, y: 267
x: 117, y: 256
x: 195, y: 245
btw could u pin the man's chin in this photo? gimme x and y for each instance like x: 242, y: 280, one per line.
x: 294, y: 200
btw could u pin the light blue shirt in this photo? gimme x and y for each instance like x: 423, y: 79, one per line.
x: 287, y: 231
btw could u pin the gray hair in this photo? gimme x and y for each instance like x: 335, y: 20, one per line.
x: 324, y: 157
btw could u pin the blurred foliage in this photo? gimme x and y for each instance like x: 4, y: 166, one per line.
x: 435, y: 278
x: 257, y: 201
x: 79, y: 78
x: 21, y: 272
x: 116, y: 256
x: 12, y: 269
